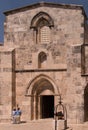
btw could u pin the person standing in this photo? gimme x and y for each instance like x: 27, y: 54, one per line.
x: 18, y: 115
x: 14, y: 115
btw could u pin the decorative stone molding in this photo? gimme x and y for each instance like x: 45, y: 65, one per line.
x: 40, y: 16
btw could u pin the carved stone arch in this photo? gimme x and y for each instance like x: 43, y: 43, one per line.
x: 41, y: 15
x: 42, y: 25
x: 30, y: 87
x: 40, y: 88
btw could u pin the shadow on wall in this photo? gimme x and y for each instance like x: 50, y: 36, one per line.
x: 86, y: 103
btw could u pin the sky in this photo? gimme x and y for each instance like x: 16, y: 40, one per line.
x: 6, y: 5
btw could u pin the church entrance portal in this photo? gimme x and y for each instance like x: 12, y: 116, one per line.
x: 47, y: 106
x: 42, y: 91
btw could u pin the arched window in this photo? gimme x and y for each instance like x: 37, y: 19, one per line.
x: 42, y: 59
x: 42, y: 24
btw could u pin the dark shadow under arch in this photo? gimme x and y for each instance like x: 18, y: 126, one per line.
x: 42, y: 57
x: 35, y: 79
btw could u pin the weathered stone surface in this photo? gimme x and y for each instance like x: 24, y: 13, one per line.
x: 31, y: 70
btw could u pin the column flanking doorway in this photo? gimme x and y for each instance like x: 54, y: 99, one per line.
x: 47, y: 106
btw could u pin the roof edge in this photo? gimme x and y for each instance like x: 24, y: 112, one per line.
x: 1, y: 43
x: 47, y: 4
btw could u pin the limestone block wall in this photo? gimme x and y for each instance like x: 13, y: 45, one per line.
x: 86, y: 59
x: 69, y: 81
x: 70, y: 84
x: 63, y: 60
x: 27, y: 58
x: 68, y: 26
x: 76, y: 86
x: 21, y: 88
x: 86, y: 33
x: 5, y: 85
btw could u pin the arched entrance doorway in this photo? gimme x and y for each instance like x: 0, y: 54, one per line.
x: 42, y: 90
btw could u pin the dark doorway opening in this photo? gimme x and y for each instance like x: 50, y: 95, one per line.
x: 86, y: 103
x: 47, y: 106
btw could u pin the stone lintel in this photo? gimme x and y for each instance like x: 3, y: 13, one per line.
x: 40, y: 70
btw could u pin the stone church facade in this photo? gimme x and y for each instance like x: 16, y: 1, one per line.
x: 45, y: 54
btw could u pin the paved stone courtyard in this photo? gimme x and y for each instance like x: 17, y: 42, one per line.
x: 28, y: 126
x: 45, y: 125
